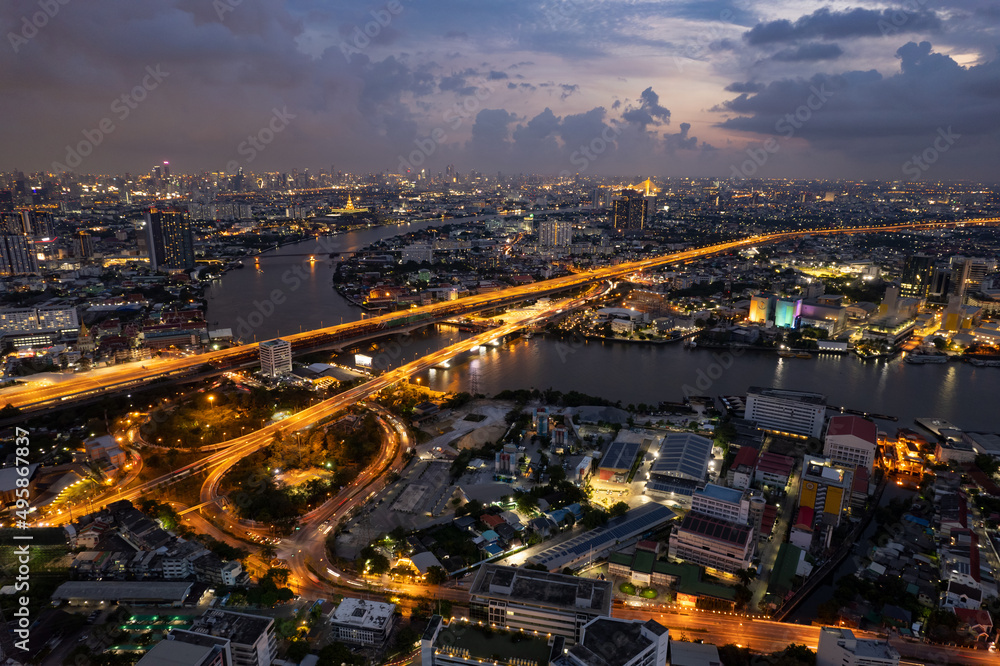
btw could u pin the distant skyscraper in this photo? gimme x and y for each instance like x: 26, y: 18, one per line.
x: 84, y: 245
x: 630, y: 210
x: 166, y: 169
x: 169, y: 238
x: 967, y: 274
x: 918, y: 270
x: 554, y: 233
x: 16, y: 257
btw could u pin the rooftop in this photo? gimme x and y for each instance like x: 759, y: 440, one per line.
x: 613, y: 642
x: 683, y: 454
x: 240, y: 628
x: 175, y: 653
x: 633, y: 523
x: 775, y: 463
x: 848, y: 424
x: 720, y: 493
x: 694, y: 654
x: 863, y: 648
x: 620, y: 455
x: 542, y: 588
x: 719, y: 530
x: 92, y: 590
x: 783, y: 394
x: 363, y: 614
x: 471, y: 640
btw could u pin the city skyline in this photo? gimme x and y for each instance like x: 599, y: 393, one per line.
x: 738, y: 89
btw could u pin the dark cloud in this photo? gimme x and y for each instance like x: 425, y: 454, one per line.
x: 494, y: 75
x: 812, y: 52
x: 828, y: 24
x: 745, y: 86
x: 648, y: 112
x: 871, y: 117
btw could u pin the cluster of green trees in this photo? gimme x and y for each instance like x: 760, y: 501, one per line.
x: 255, y: 493
x: 199, y: 421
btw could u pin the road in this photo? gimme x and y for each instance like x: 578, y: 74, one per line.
x: 35, y: 395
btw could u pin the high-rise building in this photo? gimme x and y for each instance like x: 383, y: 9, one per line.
x: 915, y: 282
x: 84, y: 245
x: 464, y: 643
x: 851, y: 441
x: 840, y: 647
x: 554, y: 233
x: 16, y: 257
x: 967, y: 274
x: 170, y: 240
x: 275, y: 357
x: 630, y: 210
x: 792, y: 412
x: 826, y: 489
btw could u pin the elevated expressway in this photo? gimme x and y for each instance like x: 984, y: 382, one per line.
x: 38, y: 395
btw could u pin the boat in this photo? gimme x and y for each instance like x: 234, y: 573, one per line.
x: 786, y: 354
x: 803, y: 355
x: 985, y: 363
x: 920, y: 359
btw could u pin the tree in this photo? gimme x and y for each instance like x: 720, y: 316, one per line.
x: 746, y: 575
x: 940, y: 343
x: 436, y: 575
x: 618, y: 509
x: 268, y: 552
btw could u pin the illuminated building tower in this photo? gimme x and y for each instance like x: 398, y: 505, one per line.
x: 787, y: 312
x: 630, y: 210
x: 762, y: 308
x: 169, y: 238
x: 84, y: 245
x: 554, y: 233
x: 917, y: 273
x: 16, y: 257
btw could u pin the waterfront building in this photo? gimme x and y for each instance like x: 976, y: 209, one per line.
x: 840, y: 647
x: 851, y: 441
x: 275, y: 357
x: 787, y: 412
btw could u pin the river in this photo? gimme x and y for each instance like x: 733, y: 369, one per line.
x: 631, y: 372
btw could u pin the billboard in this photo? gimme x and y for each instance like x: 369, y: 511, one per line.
x: 362, y: 361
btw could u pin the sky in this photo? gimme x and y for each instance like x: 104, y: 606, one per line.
x: 703, y: 88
